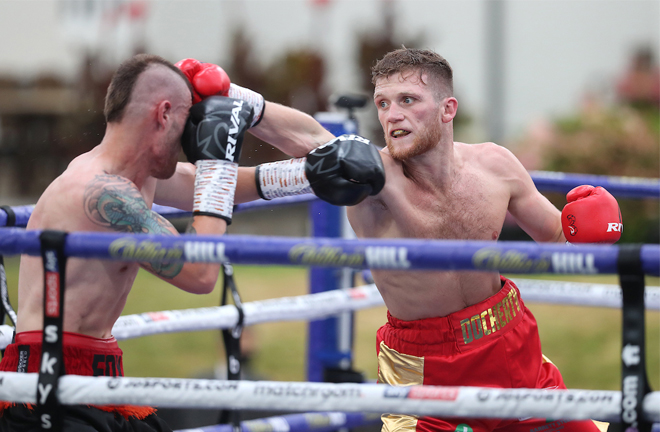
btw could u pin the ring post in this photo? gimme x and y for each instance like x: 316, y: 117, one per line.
x: 634, y: 382
x: 323, y: 344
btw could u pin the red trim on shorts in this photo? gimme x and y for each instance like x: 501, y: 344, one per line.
x: 83, y: 355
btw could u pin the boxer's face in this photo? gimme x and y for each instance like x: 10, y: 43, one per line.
x: 409, y: 114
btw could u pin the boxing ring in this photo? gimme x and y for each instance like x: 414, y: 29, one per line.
x: 350, y: 404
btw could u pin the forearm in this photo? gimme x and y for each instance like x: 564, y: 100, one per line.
x: 192, y: 277
x: 290, y: 130
x: 246, y: 187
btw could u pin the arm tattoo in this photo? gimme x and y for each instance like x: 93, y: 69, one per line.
x: 114, y: 202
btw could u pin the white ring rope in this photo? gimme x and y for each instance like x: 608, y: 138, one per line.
x: 322, y: 305
x: 580, y: 293
x: 349, y: 397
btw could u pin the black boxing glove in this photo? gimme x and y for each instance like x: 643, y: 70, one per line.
x: 212, y: 139
x: 342, y: 172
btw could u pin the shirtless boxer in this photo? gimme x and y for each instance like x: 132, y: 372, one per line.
x: 459, y: 328
x: 111, y: 189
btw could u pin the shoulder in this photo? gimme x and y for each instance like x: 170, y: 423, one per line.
x: 115, y: 203
x: 104, y: 189
x: 491, y: 157
x: 486, y: 151
x: 61, y: 205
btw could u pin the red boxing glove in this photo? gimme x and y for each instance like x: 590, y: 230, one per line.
x: 592, y: 215
x: 207, y: 79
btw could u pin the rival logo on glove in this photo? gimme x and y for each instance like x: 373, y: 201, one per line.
x: 235, y: 122
x: 614, y: 227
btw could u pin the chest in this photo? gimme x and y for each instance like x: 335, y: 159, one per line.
x: 474, y: 207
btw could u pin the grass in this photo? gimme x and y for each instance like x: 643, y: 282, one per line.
x: 584, y: 342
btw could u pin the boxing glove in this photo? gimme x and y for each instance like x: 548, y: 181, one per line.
x: 212, y: 139
x: 342, y: 172
x: 592, y: 215
x: 208, y: 79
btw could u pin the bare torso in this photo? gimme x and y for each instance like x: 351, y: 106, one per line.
x: 96, y: 290
x: 470, y: 204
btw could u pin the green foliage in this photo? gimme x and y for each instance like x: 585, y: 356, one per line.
x: 621, y: 141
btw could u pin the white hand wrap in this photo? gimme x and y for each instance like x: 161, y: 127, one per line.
x: 254, y: 99
x: 215, y: 185
x: 282, y: 179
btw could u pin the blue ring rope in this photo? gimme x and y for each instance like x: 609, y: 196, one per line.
x: 404, y: 254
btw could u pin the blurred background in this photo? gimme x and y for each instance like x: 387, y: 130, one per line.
x: 570, y: 86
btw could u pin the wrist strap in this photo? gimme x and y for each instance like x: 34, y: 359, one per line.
x: 282, y: 179
x: 254, y: 99
x: 215, y: 186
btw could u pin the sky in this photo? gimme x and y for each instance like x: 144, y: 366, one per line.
x: 554, y: 50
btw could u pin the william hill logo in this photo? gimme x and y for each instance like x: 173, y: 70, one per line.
x: 130, y: 249
x: 324, y: 255
x: 511, y: 260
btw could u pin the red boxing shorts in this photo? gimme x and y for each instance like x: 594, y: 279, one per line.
x: 83, y: 355
x: 494, y: 343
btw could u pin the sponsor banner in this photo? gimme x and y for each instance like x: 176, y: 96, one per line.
x: 437, y: 393
x: 312, y: 254
x: 135, y: 249
x: 510, y: 257
x: 349, y: 397
x: 510, y: 261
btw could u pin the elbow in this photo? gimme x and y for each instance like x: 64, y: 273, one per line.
x: 207, y: 284
x: 204, y: 288
x: 206, y: 280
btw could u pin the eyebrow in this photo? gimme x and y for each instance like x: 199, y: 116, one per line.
x: 400, y: 95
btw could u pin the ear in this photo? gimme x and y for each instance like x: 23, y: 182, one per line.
x: 449, y: 109
x: 163, y: 113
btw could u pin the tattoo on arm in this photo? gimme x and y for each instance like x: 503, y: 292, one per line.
x: 115, y: 203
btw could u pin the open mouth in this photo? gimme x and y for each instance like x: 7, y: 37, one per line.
x: 398, y: 133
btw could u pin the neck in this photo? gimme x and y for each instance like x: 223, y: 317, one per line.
x: 435, y: 167
x: 123, y: 155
